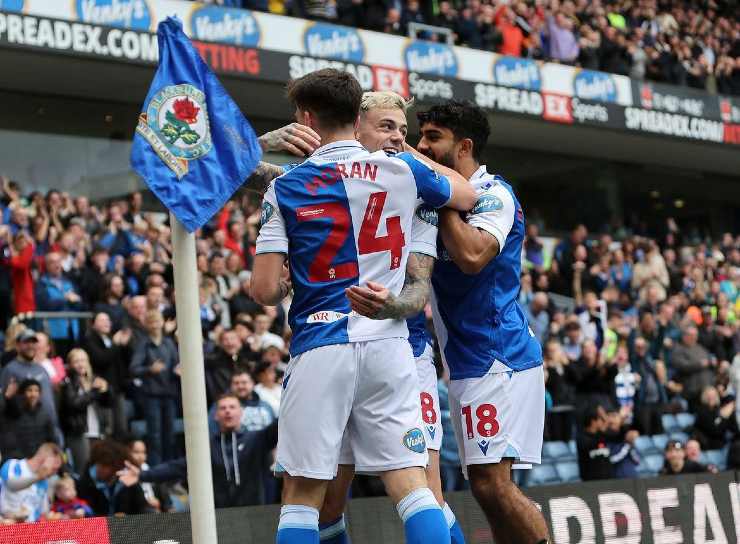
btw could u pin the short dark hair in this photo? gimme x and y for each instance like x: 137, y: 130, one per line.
x: 331, y: 95
x: 592, y: 413
x: 108, y: 452
x: 464, y: 119
x: 28, y: 382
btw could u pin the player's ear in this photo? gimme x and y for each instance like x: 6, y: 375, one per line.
x: 465, y: 148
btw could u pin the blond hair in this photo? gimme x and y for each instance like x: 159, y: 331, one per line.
x: 384, y: 100
x: 79, y: 352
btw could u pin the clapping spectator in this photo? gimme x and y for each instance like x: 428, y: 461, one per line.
x: 714, y: 422
x: 56, y: 293
x: 694, y: 365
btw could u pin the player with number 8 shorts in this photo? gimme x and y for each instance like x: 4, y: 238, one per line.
x: 383, y: 126
x: 341, y: 219
x: 497, y: 388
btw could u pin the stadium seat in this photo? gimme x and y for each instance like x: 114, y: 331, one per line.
x: 573, y: 447
x: 179, y: 426
x: 717, y: 458
x: 129, y: 409
x: 670, y: 423
x: 660, y: 440
x: 557, y: 451
x: 653, y: 463
x: 679, y: 436
x: 568, y: 471
x: 138, y: 428
x: 645, y: 446
x: 543, y: 474
x: 685, y: 420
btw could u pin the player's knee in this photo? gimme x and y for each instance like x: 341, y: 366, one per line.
x: 489, y: 483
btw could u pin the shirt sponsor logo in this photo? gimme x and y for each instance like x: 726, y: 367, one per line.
x: 595, y: 86
x: 652, y: 99
x: 508, y: 99
x: 300, y: 66
x: 673, y: 125
x: 431, y: 58
x: 589, y: 112
x: 557, y: 108
x: 519, y: 73
x: 422, y: 89
x: 121, y: 13
x: 487, y: 203
x: 334, y: 42
x: 327, y: 316
x: 391, y: 79
x: 218, y: 24
x: 428, y: 214
x: 414, y: 440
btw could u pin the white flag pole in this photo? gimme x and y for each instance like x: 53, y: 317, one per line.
x: 195, y: 410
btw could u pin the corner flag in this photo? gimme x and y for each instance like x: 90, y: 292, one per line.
x: 193, y: 146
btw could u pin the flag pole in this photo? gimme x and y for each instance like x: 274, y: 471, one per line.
x: 195, y: 410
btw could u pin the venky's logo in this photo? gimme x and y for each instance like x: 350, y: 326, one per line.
x: 414, y: 440
x: 176, y: 126
x: 227, y: 25
x: 122, y: 13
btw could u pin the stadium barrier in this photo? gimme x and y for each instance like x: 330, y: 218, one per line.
x: 699, y: 509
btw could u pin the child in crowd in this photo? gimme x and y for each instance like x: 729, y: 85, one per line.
x: 66, y: 501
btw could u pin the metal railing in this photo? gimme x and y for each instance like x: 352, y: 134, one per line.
x: 416, y: 28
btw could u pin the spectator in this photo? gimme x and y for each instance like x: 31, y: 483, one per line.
x: 623, y: 454
x: 693, y: 364
x: 694, y: 453
x: 561, y: 389
x: 267, y: 386
x: 93, y: 277
x: 594, y: 455
x: 66, y: 501
x: 221, y: 365
x: 55, y: 293
x: 563, y: 44
x: 262, y: 337
x: 533, y: 248
x: 652, y: 394
x: 626, y: 383
x: 107, y: 359
x: 537, y: 316
x: 26, y: 424
x: 651, y: 271
x: 112, y: 301
x: 101, y: 488
x: 238, y: 458
x: 256, y: 413
x: 714, y: 422
x: 20, y: 262
x: 23, y: 367
x: 84, y: 396
x: 676, y: 462
x: 46, y: 358
x: 156, y: 494
x: 593, y: 378
x: 156, y: 364
x: 24, y: 484
x: 242, y: 302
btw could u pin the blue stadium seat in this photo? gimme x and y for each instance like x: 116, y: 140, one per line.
x: 568, y: 471
x: 179, y: 426
x: 573, y: 447
x: 685, y: 420
x: 543, y: 474
x: 645, y: 446
x: 680, y: 436
x: 653, y: 463
x: 129, y: 409
x: 660, y: 440
x: 717, y: 457
x: 557, y: 451
x: 138, y: 428
x: 670, y: 423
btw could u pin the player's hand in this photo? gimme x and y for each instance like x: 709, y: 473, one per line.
x: 294, y: 138
x: 368, y: 301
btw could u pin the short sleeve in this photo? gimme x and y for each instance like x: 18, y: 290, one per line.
x: 494, y: 212
x: 424, y: 231
x: 431, y: 187
x: 273, y: 237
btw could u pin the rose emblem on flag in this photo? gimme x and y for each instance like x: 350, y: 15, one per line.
x: 176, y: 125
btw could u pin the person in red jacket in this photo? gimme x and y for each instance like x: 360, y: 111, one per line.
x: 21, y: 260
x: 512, y: 35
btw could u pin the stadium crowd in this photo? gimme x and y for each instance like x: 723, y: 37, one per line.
x: 634, y: 326
x: 684, y: 43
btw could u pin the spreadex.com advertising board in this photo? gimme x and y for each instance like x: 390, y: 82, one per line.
x: 656, y: 110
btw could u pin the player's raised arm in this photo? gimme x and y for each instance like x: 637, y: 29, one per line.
x: 462, y: 194
x: 474, y: 244
x: 294, y: 138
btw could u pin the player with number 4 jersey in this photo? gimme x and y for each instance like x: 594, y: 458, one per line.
x: 342, y: 218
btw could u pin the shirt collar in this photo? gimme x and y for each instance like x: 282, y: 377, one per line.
x: 336, y: 146
x: 479, y: 173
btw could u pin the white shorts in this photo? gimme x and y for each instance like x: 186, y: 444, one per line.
x: 499, y: 415
x: 428, y: 395
x: 368, y: 388
x: 429, y: 399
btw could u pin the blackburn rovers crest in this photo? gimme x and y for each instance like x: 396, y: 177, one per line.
x: 176, y: 126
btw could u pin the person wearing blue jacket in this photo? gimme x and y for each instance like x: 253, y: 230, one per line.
x: 56, y: 293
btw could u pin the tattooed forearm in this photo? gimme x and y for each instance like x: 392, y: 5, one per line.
x: 260, y: 179
x: 415, y: 292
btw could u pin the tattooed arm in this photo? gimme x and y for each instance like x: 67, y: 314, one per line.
x: 377, y: 302
x: 262, y: 176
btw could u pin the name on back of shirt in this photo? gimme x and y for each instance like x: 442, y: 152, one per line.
x: 335, y: 173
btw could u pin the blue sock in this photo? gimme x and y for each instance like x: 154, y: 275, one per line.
x: 298, y: 525
x: 423, y: 520
x: 334, y: 532
x: 456, y: 534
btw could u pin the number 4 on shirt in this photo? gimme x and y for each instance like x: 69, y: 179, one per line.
x: 321, y: 269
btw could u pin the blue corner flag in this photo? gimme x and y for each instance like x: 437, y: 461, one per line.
x: 193, y: 146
